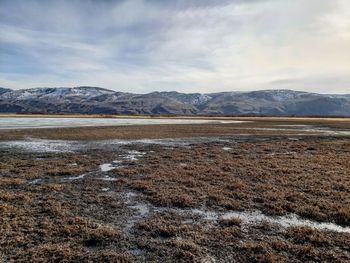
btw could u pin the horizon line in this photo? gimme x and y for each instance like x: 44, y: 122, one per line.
x: 155, y: 91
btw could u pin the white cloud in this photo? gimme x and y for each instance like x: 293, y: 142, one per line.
x: 142, y: 46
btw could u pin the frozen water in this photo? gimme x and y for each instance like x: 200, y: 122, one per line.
x: 106, y: 167
x: 142, y: 209
x: 40, y: 145
x: 27, y: 122
x: 107, y: 178
x: 77, y: 177
x: 284, y: 221
x: 256, y: 217
x: 35, y: 181
x: 133, y: 155
x: 207, y: 215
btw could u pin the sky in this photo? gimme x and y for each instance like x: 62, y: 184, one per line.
x: 183, y: 45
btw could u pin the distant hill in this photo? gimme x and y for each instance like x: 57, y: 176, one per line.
x: 98, y: 100
x: 3, y: 90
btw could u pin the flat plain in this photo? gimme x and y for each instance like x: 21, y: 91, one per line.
x: 266, y: 190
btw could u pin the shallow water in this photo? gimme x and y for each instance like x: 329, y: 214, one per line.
x: 24, y: 123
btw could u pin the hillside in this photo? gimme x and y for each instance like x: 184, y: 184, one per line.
x: 98, y: 100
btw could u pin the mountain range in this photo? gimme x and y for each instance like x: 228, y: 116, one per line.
x: 94, y: 100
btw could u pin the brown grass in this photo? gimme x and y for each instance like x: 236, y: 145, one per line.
x: 59, y: 220
x: 304, y: 182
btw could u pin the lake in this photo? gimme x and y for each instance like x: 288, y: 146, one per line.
x: 28, y: 122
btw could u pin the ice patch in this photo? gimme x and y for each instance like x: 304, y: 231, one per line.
x: 35, y: 181
x: 23, y: 123
x: 293, y: 125
x: 165, y: 142
x: 227, y: 122
x: 284, y: 221
x: 226, y: 148
x: 142, y: 209
x: 107, y: 178
x: 249, y: 218
x: 76, y: 177
x: 187, y: 221
x: 105, y: 189
x: 40, y: 145
x: 61, y: 146
x: 207, y: 215
x: 136, y: 251
x: 134, y: 155
x: 128, y: 196
x: 307, y: 129
x: 106, y: 167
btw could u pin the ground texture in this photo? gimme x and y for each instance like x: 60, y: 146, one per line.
x: 222, y: 199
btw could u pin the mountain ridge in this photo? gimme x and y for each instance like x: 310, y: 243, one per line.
x: 92, y: 100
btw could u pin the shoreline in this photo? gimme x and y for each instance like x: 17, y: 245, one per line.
x: 259, y: 127
x: 150, y: 116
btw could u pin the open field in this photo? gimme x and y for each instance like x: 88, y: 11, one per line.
x: 269, y: 190
x: 250, y: 126
x: 172, y: 116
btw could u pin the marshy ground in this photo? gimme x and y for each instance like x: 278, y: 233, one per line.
x: 259, y: 192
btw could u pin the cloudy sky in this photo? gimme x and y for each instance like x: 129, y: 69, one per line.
x: 188, y: 46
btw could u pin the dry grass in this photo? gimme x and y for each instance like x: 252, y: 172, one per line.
x: 294, y: 179
x: 59, y: 220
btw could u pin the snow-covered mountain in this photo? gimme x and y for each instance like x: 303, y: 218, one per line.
x: 57, y: 93
x: 98, y: 100
x: 188, y: 98
x: 3, y: 90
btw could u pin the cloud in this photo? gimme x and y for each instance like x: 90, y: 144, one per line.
x: 191, y: 46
